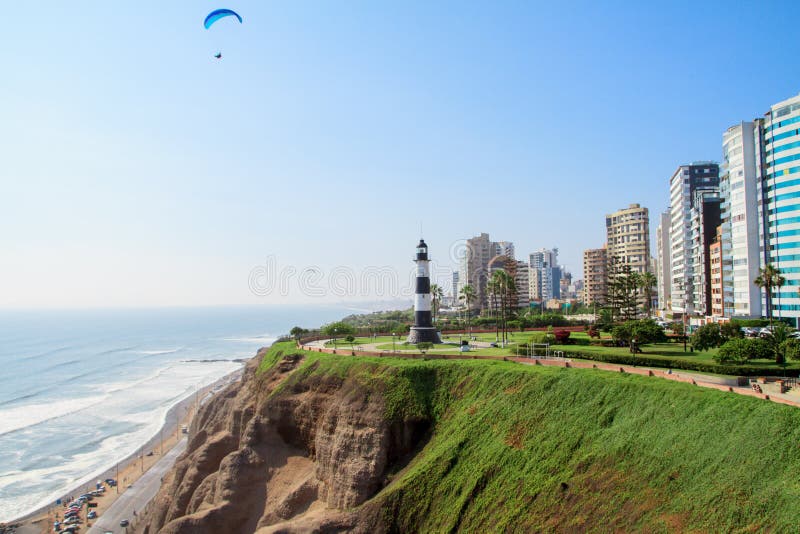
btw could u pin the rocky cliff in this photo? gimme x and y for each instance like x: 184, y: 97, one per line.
x: 319, y: 443
x: 258, y: 461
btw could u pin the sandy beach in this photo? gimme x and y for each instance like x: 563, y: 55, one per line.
x: 129, y: 469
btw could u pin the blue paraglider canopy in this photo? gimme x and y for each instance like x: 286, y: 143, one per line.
x: 217, y: 14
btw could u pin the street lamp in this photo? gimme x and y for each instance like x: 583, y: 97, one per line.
x: 334, y: 339
x: 394, y: 337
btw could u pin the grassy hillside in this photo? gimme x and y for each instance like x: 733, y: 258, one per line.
x: 523, y: 448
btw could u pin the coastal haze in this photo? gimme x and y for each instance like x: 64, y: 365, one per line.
x: 83, y: 390
x: 138, y: 170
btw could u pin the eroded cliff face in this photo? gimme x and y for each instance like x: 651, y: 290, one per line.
x: 276, y: 455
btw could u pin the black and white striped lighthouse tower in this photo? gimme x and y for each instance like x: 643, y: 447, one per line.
x: 423, y: 330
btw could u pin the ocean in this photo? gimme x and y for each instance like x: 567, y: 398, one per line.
x: 82, y: 390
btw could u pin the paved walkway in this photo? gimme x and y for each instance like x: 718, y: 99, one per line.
x: 136, y: 497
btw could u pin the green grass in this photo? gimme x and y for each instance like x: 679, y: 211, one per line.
x: 361, y: 340
x: 528, y: 449
x: 658, y: 351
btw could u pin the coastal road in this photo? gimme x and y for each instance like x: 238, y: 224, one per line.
x: 138, y: 495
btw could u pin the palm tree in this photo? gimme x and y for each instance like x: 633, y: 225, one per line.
x: 634, y: 283
x: 437, y: 294
x: 467, y: 294
x: 768, y: 278
x: 493, y: 288
x: 647, y: 281
x: 502, y: 287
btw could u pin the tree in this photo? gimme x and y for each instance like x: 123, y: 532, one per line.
x: 707, y: 337
x: 621, y: 290
x: 730, y: 330
x: 647, y: 281
x: 297, y: 332
x: 437, y: 294
x: 338, y: 328
x: 503, y: 291
x: 638, y: 333
x: 467, y: 294
x: 768, y: 278
x: 779, y: 334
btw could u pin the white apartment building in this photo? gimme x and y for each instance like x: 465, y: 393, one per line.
x: 663, y: 263
x: 741, y: 247
x: 543, y: 271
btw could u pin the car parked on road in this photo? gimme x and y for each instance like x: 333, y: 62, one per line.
x: 91, y: 515
x: 124, y: 523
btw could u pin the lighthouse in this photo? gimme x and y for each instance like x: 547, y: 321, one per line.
x: 423, y: 330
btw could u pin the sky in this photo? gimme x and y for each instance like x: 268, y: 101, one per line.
x: 137, y: 170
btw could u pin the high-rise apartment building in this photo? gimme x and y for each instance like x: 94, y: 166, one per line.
x: 741, y: 247
x: 522, y: 281
x: 518, y: 270
x: 704, y: 221
x: 595, y: 269
x: 475, y: 266
x: 779, y: 166
x: 684, y: 183
x: 504, y: 248
x: 455, y: 289
x: 628, y: 237
x: 715, y: 259
x: 545, y: 275
x: 663, y: 262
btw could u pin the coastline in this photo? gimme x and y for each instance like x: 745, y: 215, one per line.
x: 125, y: 468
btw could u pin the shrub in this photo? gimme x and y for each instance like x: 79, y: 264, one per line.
x: 541, y: 337
x: 561, y: 336
x: 350, y: 339
x: 707, y: 337
x: 791, y: 348
x: 644, y: 331
x: 733, y: 351
x: 685, y: 365
x: 741, y: 350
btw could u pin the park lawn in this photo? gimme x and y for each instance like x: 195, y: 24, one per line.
x: 360, y: 340
x: 664, y: 351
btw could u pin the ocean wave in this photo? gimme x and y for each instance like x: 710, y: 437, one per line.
x: 156, y: 352
x: 20, y: 417
x: 253, y: 339
x: 28, y: 395
x: 45, y: 354
x: 112, y: 351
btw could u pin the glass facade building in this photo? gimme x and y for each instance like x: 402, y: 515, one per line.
x: 779, y: 161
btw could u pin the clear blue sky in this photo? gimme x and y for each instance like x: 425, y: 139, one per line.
x: 137, y: 170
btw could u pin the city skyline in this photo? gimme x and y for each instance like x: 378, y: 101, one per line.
x: 140, y: 171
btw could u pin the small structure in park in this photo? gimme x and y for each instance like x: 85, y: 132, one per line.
x: 423, y: 330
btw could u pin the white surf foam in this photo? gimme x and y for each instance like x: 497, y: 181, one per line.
x: 20, y: 417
